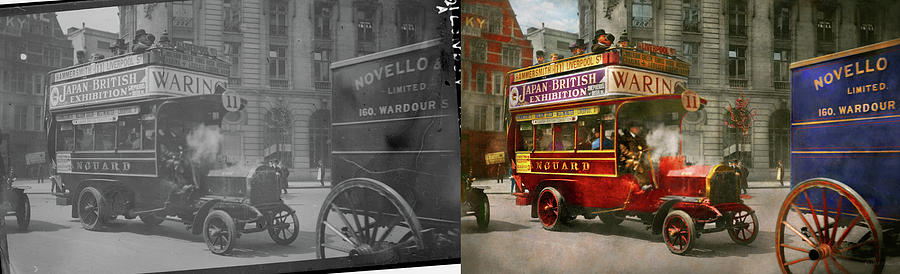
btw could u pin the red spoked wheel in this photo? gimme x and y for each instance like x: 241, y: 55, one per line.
x: 744, y: 227
x: 824, y: 224
x: 678, y: 232
x: 551, y: 208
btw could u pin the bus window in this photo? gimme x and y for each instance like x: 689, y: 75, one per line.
x: 65, y: 139
x: 564, y: 136
x: 84, y: 137
x: 525, y: 137
x: 129, y: 133
x: 543, y: 137
x: 149, y: 134
x: 105, y: 136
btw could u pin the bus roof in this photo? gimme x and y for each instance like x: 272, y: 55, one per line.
x: 632, y: 57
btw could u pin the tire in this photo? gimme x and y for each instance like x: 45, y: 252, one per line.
x: 483, y: 212
x: 551, y: 209
x: 612, y: 218
x: 91, y: 208
x: 678, y: 232
x: 743, y: 227
x: 23, y: 212
x: 284, y: 235
x: 804, y: 244
x: 151, y: 219
x: 346, y: 225
x: 219, y: 232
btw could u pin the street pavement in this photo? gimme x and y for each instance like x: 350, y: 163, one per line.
x: 56, y: 243
x: 516, y: 243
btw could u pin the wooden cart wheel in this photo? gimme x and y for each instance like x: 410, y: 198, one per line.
x: 23, y: 211
x: 840, y: 234
x: 483, y: 212
x: 368, y: 221
x: 151, y: 219
x: 678, y: 232
x: 744, y: 227
x: 612, y: 218
x: 551, y: 209
x: 91, y: 208
x: 219, y: 232
x: 285, y: 226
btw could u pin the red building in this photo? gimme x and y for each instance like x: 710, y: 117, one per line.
x: 493, y: 44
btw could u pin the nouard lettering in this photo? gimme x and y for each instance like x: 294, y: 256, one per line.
x: 103, y: 166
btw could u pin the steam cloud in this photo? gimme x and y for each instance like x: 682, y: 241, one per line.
x: 204, y: 142
x: 664, y: 141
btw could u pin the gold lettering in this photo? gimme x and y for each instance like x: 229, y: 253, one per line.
x: 847, y: 70
x: 881, y: 65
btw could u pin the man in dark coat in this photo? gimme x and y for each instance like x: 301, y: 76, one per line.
x: 744, y: 174
x: 539, y: 55
x: 577, y: 47
x: 602, y: 41
x: 633, y: 155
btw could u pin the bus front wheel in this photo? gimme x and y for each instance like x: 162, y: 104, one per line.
x: 91, y: 206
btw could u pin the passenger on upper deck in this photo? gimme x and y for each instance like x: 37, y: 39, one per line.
x: 555, y: 57
x: 602, y: 41
x: 577, y: 47
x: 540, y: 57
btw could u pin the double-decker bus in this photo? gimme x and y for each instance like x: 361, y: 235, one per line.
x: 599, y: 135
x: 138, y: 135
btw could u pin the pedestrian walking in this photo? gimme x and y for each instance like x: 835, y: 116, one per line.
x: 779, y: 173
x: 744, y: 174
x: 320, y: 173
x: 283, y: 176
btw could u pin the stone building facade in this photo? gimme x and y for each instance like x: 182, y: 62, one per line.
x: 493, y: 44
x: 91, y: 41
x: 744, y: 47
x: 30, y: 46
x: 551, y: 41
x: 280, y: 52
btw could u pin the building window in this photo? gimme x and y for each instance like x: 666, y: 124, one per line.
x: 480, y: 117
x: 365, y: 18
x: 737, y: 18
x: 278, y: 66
x: 321, y: 63
x: 824, y: 24
x: 232, y: 53
x: 36, y: 118
x: 498, y: 118
x: 691, y: 15
x: 322, y: 21
x: 21, y: 117
x: 562, y: 45
x: 737, y: 61
x: 278, y: 17
x: 409, y: 17
x: 497, y: 84
x: 511, y: 56
x: 781, y: 61
x: 642, y: 14
x: 782, y: 22
x: 232, y: 13
x: 480, y: 85
x: 867, y: 19
x: 691, y: 51
x: 183, y: 16
x: 407, y: 33
x: 479, y: 50
x: 20, y: 82
x: 37, y: 84
x: 102, y: 44
x: 495, y: 20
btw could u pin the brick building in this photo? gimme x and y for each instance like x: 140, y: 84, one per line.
x: 493, y: 44
x: 280, y: 53
x: 744, y: 47
x: 30, y: 46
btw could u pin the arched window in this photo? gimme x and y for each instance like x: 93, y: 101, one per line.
x: 780, y: 138
x: 279, y: 133
x: 319, y: 138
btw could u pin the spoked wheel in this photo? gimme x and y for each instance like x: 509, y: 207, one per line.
x: 285, y: 226
x: 368, y: 221
x: 219, y: 232
x: 91, y: 208
x: 678, y: 232
x: 551, y: 209
x: 744, y: 227
x: 483, y: 212
x: 23, y: 211
x: 151, y: 219
x: 824, y: 224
